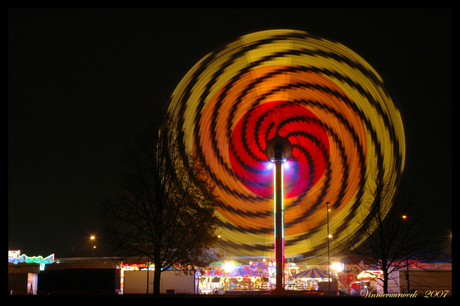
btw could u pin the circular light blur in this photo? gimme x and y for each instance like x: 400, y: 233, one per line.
x: 331, y: 105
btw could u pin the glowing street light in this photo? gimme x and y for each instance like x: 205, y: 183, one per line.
x: 229, y: 267
x: 92, y: 246
x: 338, y: 266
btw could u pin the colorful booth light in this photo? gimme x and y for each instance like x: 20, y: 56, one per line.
x: 370, y: 274
x: 32, y: 259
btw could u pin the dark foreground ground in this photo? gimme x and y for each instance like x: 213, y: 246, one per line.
x: 227, y: 295
x: 182, y: 296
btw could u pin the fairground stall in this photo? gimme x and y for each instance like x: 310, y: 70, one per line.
x: 313, y: 279
x: 230, y: 276
x: 223, y: 276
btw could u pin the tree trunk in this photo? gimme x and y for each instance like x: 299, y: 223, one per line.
x: 157, y: 280
x: 385, y: 280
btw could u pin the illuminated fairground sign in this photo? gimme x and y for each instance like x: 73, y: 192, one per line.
x: 15, y: 257
x: 137, y: 266
x: 431, y: 265
x: 425, y: 264
x: 370, y: 274
x: 412, y: 264
x: 13, y: 254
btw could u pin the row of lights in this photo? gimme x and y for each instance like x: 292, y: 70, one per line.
x: 92, y: 237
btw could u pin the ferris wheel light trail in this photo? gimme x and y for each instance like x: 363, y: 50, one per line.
x: 330, y: 104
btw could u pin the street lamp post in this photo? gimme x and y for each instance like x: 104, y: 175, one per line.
x: 328, y: 256
x: 92, y: 247
x: 407, y: 254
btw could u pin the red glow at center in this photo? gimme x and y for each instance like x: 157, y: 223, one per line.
x: 304, y: 131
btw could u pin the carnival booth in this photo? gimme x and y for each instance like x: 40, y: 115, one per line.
x: 220, y: 276
x: 310, y: 279
x: 229, y: 276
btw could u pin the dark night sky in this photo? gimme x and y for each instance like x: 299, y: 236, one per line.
x: 80, y: 80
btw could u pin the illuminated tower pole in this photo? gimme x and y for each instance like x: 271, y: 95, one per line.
x: 279, y: 218
x: 278, y: 149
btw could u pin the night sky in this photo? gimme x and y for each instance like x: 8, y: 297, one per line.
x: 79, y: 81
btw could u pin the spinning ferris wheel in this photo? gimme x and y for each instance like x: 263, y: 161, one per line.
x: 326, y: 100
